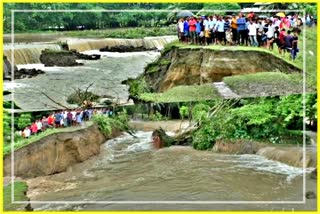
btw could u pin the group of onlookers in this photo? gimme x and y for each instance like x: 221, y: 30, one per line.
x: 243, y: 30
x: 60, y: 119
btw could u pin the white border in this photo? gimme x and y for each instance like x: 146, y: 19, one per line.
x: 157, y: 202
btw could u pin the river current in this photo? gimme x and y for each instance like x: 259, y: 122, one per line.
x: 129, y: 170
x: 58, y: 83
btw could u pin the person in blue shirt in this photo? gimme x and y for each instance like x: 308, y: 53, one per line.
x: 186, y: 29
x: 241, y: 28
x: 198, y: 30
x: 219, y: 29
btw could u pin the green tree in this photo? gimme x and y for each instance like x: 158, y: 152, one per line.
x: 7, y: 126
x: 24, y: 120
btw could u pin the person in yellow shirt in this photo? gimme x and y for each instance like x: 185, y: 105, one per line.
x: 234, y: 29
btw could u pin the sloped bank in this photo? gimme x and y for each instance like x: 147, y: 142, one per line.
x: 189, y: 66
x: 56, y: 152
x: 290, y: 155
x: 196, y: 65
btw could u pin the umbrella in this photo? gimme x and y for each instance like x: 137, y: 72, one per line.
x: 281, y: 14
x: 184, y: 13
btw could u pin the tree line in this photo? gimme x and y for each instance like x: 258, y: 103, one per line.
x: 38, y: 21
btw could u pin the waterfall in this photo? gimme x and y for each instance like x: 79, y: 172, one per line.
x: 28, y: 53
x: 96, y: 44
x: 6, y: 69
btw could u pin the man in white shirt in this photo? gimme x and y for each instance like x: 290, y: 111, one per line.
x: 27, y: 132
x: 206, y: 24
x: 180, y: 28
x: 39, y: 125
x: 212, y: 24
x: 252, y: 27
x: 277, y: 22
x: 219, y: 29
x: 270, y: 34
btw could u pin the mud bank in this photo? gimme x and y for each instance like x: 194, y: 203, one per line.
x: 195, y: 66
x: 290, y: 155
x: 56, y: 152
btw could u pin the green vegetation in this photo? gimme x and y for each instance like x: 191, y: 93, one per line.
x: 20, y: 189
x: 265, y: 119
x: 265, y: 84
x: 36, y: 21
x: 8, y: 105
x: 311, y: 56
x: 6, y: 127
x: 24, y: 120
x: 185, y: 93
x: 157, y: 117
x: 39, y: 21
x: 157, y: 66
x: 21, y: 142
x: 107, y: 124
x: 137, y: 87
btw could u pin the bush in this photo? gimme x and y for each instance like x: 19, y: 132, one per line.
x: 157, y: 117
x: 184, y: 112
x: 24, y: 120
x: 107, y: 124
x: 104, y: 123
x: 137, y: 87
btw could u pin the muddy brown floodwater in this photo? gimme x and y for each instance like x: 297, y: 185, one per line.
x: 175, y: 178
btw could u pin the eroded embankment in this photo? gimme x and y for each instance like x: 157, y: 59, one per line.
x: 291, y: 155
x: 195, y: 66
x: 56, y: 152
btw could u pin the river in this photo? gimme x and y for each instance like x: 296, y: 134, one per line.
x: 130, y: 169
x: 59, y: 82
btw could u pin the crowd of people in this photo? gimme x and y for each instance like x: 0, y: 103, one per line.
x: 250, y: 30
x: 62, y: 119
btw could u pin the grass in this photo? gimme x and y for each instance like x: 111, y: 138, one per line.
x: 183, y: 94
x: 156, y: 66
x: 265, y: 84
x: 21, y: 142
x: 20, y: 189
x: 311, y: 56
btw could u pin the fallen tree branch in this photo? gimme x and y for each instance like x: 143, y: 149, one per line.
x: 54, y: 101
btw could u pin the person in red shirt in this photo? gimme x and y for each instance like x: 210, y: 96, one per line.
x: 192, y: 29
x: 34, y: 128
x: 50, y: 120
x: 281, y: 40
